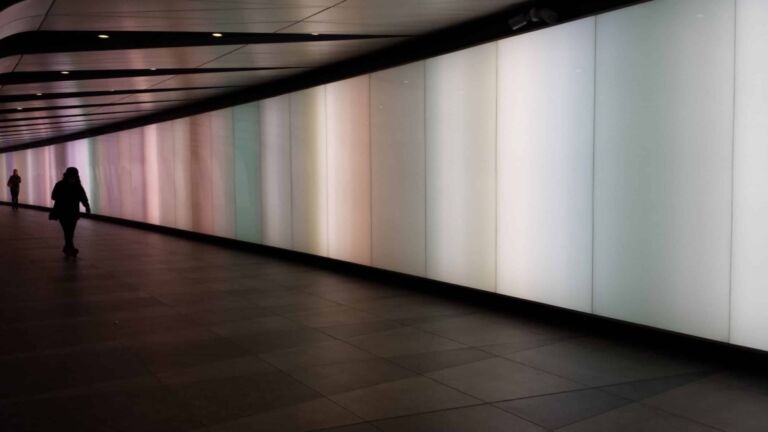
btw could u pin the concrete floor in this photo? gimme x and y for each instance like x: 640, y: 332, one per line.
x: 151, y: 333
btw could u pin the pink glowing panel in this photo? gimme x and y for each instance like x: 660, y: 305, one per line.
x: 152, y: 173
x: 105, y: 157
x: 79, y: 156
x: 461, y: 167
x: 182, y: 173
x: 275, y: 135
x: 201, y: 173
x: 544, y: 172
x: 349, y: 170
x: 4, y: 174
x: 397, y: 169
x: 222, y: 173
x: 309, y: 171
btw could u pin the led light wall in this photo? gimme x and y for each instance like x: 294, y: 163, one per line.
x: 544, y: 163
x: 749, y: 299
x: 613, y: 165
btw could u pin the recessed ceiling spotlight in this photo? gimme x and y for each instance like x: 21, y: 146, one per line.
x: 103, y: 36
x: 19, y: 108
x: 315, y: 34
x: 217, y: 34
x: 65, y: 72
x: 153, y: 69
x: 38, y: 94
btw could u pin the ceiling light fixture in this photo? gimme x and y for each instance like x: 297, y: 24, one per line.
x: 217, y: 34
x: 315, y: 34
x: 103, y: 36
x: 65, y: 72
x: 19, y: 108
x: 38, y: 94
x: 153, y: 69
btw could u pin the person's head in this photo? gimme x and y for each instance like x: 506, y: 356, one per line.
x: 15, y: 171
x: 72, y: 175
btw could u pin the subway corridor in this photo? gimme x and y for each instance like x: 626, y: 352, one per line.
x: 149, y: 332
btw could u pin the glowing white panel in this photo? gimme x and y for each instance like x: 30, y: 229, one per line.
x: 309, y: 171
x: 79, y: 156
x: 35, y: 175
x: 275, y: 135
x: 223, y: 173
x: 152, y: 174
x: 247, y: 172
x: 133, y: 180
x: 105, y: 157
x: 545, y: 173
x: 166, y: 162
x: 349, y: 170
x: 749, y: 301
x: 461, y: 167
x: 4, y: 175
x: 201, y: 173
x: 397, y: 169
x: 663, y: 165
x: 182, y: 173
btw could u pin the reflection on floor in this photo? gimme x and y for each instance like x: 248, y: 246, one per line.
x: 153, y: 333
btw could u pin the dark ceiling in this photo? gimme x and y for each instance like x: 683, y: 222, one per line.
x: 76, y: 68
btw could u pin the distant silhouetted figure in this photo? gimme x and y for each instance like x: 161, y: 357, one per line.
x: 13, y: 183
x: 68, y: 194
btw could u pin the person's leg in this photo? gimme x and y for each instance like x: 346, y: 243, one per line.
x: 15, y: 199
x: 68, y: 226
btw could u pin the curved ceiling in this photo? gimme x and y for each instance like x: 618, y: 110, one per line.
x: 74, y: 68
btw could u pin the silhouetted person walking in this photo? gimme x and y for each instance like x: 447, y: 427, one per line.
x: 68, y: 194
x: 14, y: 182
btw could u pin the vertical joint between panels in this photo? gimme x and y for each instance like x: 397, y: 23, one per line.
x: 290, y: 168
x: 370, y: 170
x: 733, y: 176
x: 594, y: 166
x: 496, y: 175
x: 426, y: 174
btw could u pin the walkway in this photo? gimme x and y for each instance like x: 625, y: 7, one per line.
x: 153, y: 333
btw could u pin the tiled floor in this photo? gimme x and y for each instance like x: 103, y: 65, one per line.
x: 146, y: 332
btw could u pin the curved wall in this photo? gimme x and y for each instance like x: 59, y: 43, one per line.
x: 613, y: 165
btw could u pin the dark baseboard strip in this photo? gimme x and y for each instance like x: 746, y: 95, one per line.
x: 704, y: 349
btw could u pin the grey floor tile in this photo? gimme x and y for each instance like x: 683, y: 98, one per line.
x: 312, y: 415
x: 240, y: 366
x: 437, y: 360
x: 347, y: 331
x: 500, y: 379
x: 558, y: 410
x: 318, y: 354
x: 717, y: 401
x: 402, y: 341
x: 483, y: 418
x: 599, y: 362
x: 224, y: 400
x: 639, y: 390
x: 344, y: 377
x: 636, y: 418
x: 484, y: 329
x: 397, y: 398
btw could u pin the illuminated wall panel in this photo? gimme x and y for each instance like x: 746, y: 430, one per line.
x: 544, y: 186
x: 152, y: 173
x: 79, y: 156
x: 223, y: 173
x: 749, y: 302
x: 461, y: 167
x: 397, y: 169
x: 247, y: 148
x: 349, y: 170
x: 4, y: 175
x: 183, y: 173
x: 275, y: 138
x: 663, y: 165
x: 309, y: 171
